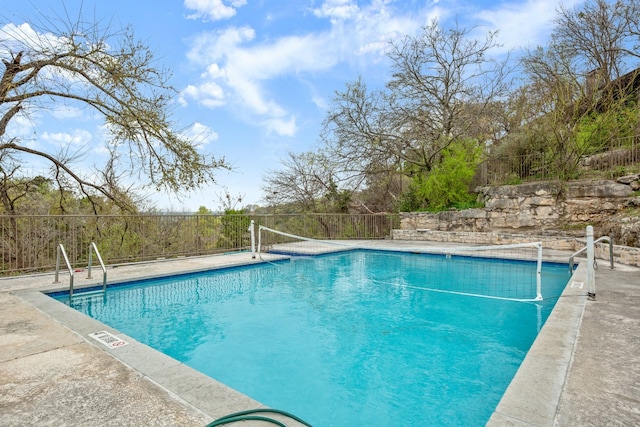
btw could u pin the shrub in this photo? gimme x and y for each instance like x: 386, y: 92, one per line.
x: 447, y: 184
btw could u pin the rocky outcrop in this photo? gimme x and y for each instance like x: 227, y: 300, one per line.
x: 546, y: 208
x: 625, y: 228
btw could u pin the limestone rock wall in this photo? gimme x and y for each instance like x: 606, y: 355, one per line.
x: 546, y: 208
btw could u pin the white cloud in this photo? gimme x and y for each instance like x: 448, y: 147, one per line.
x: 62, y: 112
x: 522, y: 25
x: 281, y: 126
x: 200, y: 134
x: 213, y: 10
x: 214, y: 71
x: 23, y: 125
x: 317, y: 99
x: 211, y: 47
x: 337, y: 9
x: 248, y: 69
x: 209, y: 94
x: 240, y: 70
x: 23, y: 37
x: 78, y: 138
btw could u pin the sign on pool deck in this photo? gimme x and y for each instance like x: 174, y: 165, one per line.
x: 108, y: 339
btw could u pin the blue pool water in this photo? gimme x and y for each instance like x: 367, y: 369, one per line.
x: 347, y: 339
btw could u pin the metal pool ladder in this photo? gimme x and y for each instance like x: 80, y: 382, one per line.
x: 601, y: 239
x: 92, y: 248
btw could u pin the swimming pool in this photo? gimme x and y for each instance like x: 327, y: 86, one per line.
x: 333, y: 340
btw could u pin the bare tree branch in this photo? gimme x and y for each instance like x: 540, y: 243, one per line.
x: 79, y: 63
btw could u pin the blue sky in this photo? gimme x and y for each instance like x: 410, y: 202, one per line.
x: 255, y: 78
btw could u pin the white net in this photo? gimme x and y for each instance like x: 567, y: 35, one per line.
x: 501, y: 271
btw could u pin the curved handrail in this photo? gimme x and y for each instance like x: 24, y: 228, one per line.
x: 601, y: 239
x: 66, y: 260
x: 93, y: 247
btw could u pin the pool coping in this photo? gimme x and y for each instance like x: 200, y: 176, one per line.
x: 543, y: 372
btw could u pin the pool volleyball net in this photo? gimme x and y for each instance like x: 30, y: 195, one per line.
x: 510, y: 272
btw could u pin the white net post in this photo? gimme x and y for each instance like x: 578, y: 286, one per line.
x: 252, y: 230
x: 539, y: 273
x: 591, y: 279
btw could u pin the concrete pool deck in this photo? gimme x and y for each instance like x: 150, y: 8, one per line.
x: 582, y: 370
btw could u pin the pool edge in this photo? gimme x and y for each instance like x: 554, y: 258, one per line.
x: 188, y: 385
x: 534, y: 393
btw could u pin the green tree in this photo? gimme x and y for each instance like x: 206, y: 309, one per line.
x: 447, y: 184
x: 235, y: 225
x: 599, y: 131
x: 208, y: 229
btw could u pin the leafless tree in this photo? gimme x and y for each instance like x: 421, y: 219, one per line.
x: 79, y: 63
x: 444, y: 86
x: 442, y: 83
x: 441, y: 80
x: 599, y: 37
x: 577, y: 75
x: 307, y: 182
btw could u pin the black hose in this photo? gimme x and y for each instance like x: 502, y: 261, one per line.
x: 248, y: 415
x: 229, y: 420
